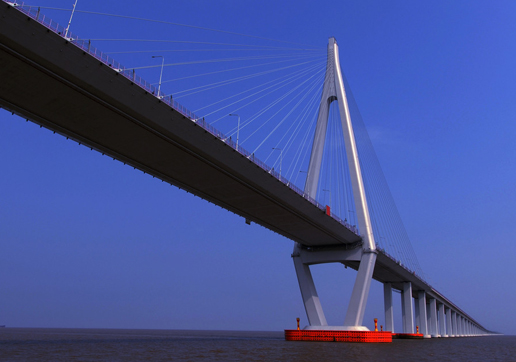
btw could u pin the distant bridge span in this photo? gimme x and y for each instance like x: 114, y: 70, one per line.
x: 57, y: 84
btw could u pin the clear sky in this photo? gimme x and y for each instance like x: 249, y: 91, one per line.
x: 88, y: 242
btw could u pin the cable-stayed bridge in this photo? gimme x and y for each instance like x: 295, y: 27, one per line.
x: 68, y: 86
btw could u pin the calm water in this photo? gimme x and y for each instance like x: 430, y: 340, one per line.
x: 32, y: 344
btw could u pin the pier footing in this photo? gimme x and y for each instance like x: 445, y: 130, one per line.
x: 338, y: 336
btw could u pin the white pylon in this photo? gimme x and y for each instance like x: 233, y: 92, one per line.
x: 333, y: 90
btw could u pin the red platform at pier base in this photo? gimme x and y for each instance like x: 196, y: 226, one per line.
x: 338, y: 336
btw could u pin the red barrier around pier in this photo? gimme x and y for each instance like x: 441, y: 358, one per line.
x: 338, y: 336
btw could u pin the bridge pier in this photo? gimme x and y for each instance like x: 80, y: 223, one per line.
x: 442, y: 328
x: 407, y: 312
x: 421, y: 303
x: 314, y: 311
x: 417, y: 315
x: 429, y: 317
x: 358, y: 301
x: 303, y: 257
x: 387, y: 302
x: 454, y: 323
x: 434, y: 332
x: 449, y: 331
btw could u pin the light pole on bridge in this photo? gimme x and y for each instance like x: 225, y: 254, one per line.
x: 70, y: 21
x: 238, y: 127
x: 280, y: 158
x: 161, y: 73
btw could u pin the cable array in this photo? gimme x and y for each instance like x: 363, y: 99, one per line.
x: 275, y: 90
x: 388, y: 229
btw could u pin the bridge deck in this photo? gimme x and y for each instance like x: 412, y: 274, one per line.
x: 54, y: 83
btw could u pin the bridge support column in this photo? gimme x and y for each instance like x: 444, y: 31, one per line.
x: 357, y: 303
x: 428, y: 319
x: 442, y: 326
x: 421, y: 303
x: 417, y: 315
x: 433, y: 318
x: 454, y: 323
x: 313, y: 307
x: 304, y: 257
x: 459, y: 326
x: 449, y: 330
x: 407, y: 311
x: 387, y: 301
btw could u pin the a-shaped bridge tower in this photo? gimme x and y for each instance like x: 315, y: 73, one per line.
x: 333, y: 90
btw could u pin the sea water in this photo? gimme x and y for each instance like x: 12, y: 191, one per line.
x: 44, y: 344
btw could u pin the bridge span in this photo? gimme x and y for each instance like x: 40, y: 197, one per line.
x: 67, y: 86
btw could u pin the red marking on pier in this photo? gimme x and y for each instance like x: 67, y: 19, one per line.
x: 338, y: 336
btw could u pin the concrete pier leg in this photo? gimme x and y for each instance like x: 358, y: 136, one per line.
x: 442, y: 326
x: 402, y: 312
x: 418, y: 319
x: 313, y: 307
x: 387, y: 301
x: 433, y: 318
x: 407, y: 309
x: 423, y: 326
x: 449, y: 330
x: 428, y: 320
x: 357, y: 303
x: 454, y: 323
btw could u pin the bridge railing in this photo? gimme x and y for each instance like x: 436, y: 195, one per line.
x: 397, y: 261
x: 85, y: 45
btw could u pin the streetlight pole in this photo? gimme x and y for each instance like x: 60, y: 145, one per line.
x: 238, y: 127
x: 161, y: 74
x: 280, y: 158
x: 70, y: 22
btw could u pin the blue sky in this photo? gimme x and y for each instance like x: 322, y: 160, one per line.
x: 89, y: 242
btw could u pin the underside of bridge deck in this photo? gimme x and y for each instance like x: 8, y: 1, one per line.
x: 50, y: 81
